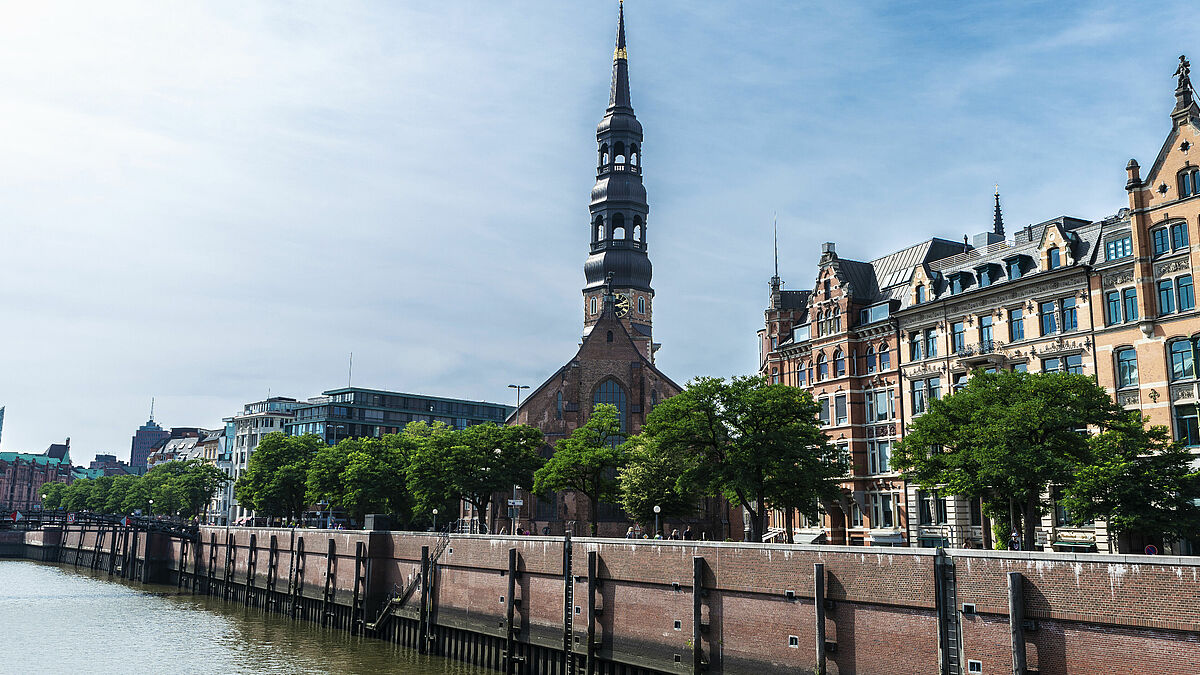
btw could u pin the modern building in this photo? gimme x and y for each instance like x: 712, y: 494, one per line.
x: 1111, y: 298
x: 145, y: 439
x: 355, y: 412
x: 23, y: 474
x: 111, y: 466
x: 243, y: 432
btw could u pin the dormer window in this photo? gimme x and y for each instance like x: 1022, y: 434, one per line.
x: 920, y: 294
x: 828, y: 289
x: 956, y: 283
x: 988, y: 275
x: 1053, y: 258
x: 1189, y: 182
x: 1014, y: 267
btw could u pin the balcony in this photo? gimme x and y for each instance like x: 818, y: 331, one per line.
x: 611, y: 244
x: 618, y: 168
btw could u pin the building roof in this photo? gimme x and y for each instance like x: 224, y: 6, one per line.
x: 42, y: 459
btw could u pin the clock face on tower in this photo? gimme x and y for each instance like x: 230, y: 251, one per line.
x: 621, y: 305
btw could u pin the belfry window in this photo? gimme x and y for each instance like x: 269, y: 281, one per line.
x: 641, y: 304
x: 593, y: 305
x: 618, y: 226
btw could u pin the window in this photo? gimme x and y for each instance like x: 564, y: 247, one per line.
x: 1127, y: 373
x: 1187, y: 428
x: 932, y: 508
x: 923, y: 392
x: 610, y: 392
x: 774, y: 376
x: 920, y: 293
x: 856, y: 515
x: 879, y: 456
x: 885, y: 358
x: 1067, y: 311
x: 1020, y: 367
x: 839, y: 409
x: 958, y: 337
x: 1046, y: 313
x: 800, y: 376
x: 956, y: 285
x: 837, y: 319
x: 1189, y: 182
x: 823, y: 415
x: 931, y: 343
x: 641, y: 304
x: 558, y: 405
x: 1130, y: 304
x: 879, y: 405
x: 915, y: 347
x: 1179, y: 235
x: 827, y: 288
x: 1162, y: 244
x: 985, y: 276
x: 1014, y: 267
x: 1051, y: 365
x: 870, y: 360
x: 1184, y: 293
x: 822, y: 367
x: 1073, y: 364
x: 1182, y: 361
x: 883, y: 505
x: 985, y: 331
x: 839, y: 363
x: 774, y: 342
x: 1053, y: 258
x: 1166, y: 297
x: 959, y: 381
x: 1118, y: 248
x: 1016, y: 324
x: 593, y: 305
x: 1112, y: 308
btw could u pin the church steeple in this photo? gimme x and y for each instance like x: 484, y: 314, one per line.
x: 998, y: 220
x: 618, y: 209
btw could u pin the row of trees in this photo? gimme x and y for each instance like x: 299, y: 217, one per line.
x: 1010, y: 439
x: 176, y: 488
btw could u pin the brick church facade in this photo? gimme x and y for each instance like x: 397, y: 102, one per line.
x: 615, y: 360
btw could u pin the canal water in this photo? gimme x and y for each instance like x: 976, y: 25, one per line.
x: 56, y: 619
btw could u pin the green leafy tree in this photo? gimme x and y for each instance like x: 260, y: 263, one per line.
x: 587, y: 461
x: 374, y: 479
x: 1006, y: 437
x: 757, y: 444
x: 473, y: 464
x: 276, y: 477
x: 137, y: 496
x: 196, y: 484
x: 323, y: 483
x: 76, y: 495
x: 53, y: 495
x: 119, y: 492
x: 655, y: 477
x: 1137, y: 481
x: 98, y: 496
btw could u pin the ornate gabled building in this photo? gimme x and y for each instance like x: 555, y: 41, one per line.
x: 615, y: 360
x: 1112, y: 298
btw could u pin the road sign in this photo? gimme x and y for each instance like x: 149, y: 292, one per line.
x: 16, y: 516
x: 516, y: 502
x: 70, y: 517
x: 1151, y: 549
x: 125, y: 521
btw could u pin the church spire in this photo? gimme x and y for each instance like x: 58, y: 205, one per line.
x: 618, y: 96
x: 998, y: 220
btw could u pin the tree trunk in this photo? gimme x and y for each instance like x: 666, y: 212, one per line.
x: 787, y: 525
x: 1031, y: 521
x: 481, y: 509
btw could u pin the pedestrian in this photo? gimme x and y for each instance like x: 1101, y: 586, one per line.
x: 687, y: 533
x: 1014, y: 541
x: 629, y: 534
x: 675, y: 535
x: 658, y: 535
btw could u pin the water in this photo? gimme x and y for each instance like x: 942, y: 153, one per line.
x: 56, y: 619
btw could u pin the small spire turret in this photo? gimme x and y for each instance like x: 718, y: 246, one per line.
x: 1185, y: 96
x: 998, y: 219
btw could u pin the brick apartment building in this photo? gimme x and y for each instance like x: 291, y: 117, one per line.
x: 22, y: 475
x: 876, y: 341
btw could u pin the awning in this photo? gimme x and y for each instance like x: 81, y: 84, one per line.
x: 809, y: 537
x: 887, y: 537
x: 1076, y: 544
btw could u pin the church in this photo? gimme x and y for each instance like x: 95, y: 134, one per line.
x: 615, y: 360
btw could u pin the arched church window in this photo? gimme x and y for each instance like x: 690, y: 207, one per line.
x: 653, y: 397
x: 593, y: 305
x: 619, y: 153
x: 604, y: 155
x: 611, y: 392
x: 558, y: 405
x: 610, y: 336
x: 641, y: 304
x: 599, y: 228
x: 633, y: 154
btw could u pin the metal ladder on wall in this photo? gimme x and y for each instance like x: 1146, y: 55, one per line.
x: 951, y: 632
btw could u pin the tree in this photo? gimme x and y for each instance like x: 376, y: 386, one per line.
x: 1137, y: 481
x: 197, y: 484
x: 119, y: 493
x: 98, y: 496
x: 53, y: 495
x: 471, y: 465
x: 1007, y: 437
x: 755, y: 443
x: 373, y: 479
x: 276, y: 476
x: 654, y: 477
x: 75, y: 496
x: 587, y: 461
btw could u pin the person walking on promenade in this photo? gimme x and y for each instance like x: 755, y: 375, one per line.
x: 629, y: 534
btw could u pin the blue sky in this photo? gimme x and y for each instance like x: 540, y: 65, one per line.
x: 206, y: 202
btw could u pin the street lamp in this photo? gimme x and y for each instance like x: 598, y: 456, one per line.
x: 657, y: 510
x: 513, y: 509
x: 151, y: 509
x: 435, y: 520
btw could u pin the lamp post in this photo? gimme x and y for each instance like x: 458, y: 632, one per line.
x: 151, y: 509
x: 513, y: 509
x: 657, y: 510
x: 435, y: 520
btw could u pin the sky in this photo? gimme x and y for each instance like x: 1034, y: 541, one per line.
x: 207, y: 203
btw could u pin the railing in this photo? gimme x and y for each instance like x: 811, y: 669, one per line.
x: 605, y: 244
x: 618, y: 168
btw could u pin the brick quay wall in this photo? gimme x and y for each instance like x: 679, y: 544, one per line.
x: 639, y: 606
